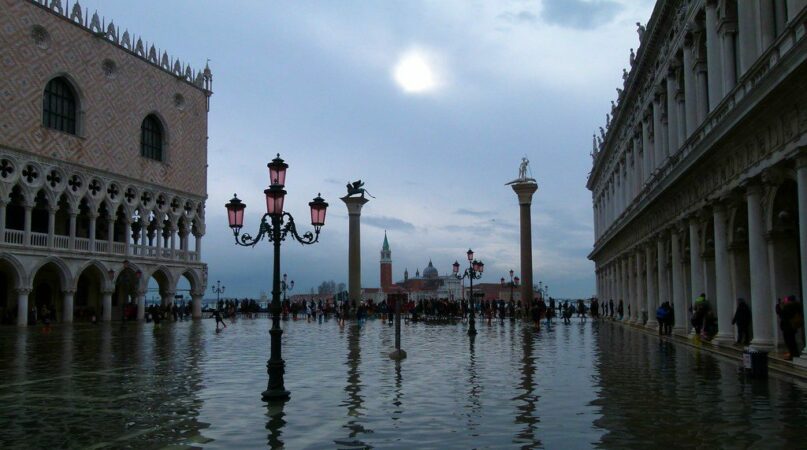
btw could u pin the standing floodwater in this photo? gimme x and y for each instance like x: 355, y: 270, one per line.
x: 571, y: 386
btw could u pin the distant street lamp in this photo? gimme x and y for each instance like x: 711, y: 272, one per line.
x: 512, y: 283
x: 286, y: 285
x: 276, y: 225
x: 218, y: 289
x: 473, y: 272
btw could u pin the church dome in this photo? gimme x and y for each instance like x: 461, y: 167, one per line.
x: 430, y: 271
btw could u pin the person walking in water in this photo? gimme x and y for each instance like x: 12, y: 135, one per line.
x: 219, y: 320
x: 742, y: 319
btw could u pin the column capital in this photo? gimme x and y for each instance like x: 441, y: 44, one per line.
x: 107, y: 291
x: 354, y: 204
x: 69, y: 292
x: 23, y: 291
x: 801, y: 158
x: 524, y: 191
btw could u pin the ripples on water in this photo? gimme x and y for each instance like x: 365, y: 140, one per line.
x: 576, y: 386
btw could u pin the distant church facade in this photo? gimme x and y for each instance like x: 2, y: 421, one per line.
x: 103, y: 166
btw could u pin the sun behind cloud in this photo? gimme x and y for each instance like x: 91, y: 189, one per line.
x: 415, y: 73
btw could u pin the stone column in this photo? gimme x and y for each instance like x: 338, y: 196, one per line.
x: 524, y: 191
x: 3, y: 220
x: 767, y: 24
x: 724, y: 303
x: 695, y: 261
x: 658, y: 147
x: 106, y: 306
x: 93, y: 217
x: 630, y: 288
x: 748, y: 42
x: 27, y: 229
x: 52, y: 210
x: 682, y: 117
x: 713, y: 58
x: 690, y: 97
x: 67, y: 312
x: 174, y: 230
x: 110, y: 234
x: 679, y: 299
x: 143, y: 236
x: 636, y: 315
x: 801, y: 178
x: 354, y: 205
x: 728, y: 55
x: 196, y: 309
x: 198, y: 243
x: 672, y: 113
x: 701, y: 84
x: 158, y: 236
x: 647, y: 164
x: 141, y: 305
x: 637, y: 164
x: 651, y: 288
x: 661, y: 263
x: 22, y: 306
x: 761, y: 307
x: 72, y: 236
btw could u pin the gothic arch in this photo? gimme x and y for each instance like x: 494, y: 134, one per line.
x: 18, y: 271
x: 64, y: 273
x: 79, y: 94
x: 106, y: 283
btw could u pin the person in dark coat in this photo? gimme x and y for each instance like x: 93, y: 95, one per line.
x: 791, y: 321
x: 742, y: 319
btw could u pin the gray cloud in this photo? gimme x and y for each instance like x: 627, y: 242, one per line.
x: 579, y: 14
x: 388, y: 223
x: 472, y: 213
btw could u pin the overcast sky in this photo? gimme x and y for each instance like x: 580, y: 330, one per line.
x: 431, y: 103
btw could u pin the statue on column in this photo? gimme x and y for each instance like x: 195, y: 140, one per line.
x: 522, y: 168
x: 357, y: 188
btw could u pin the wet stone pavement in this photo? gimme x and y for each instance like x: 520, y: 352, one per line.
x: 182, y: 385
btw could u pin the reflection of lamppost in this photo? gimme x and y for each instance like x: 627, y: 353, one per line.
x: 513, y: 283
x: 218, y: 289
x: 286, y: 285
x: 473, y: 272
x: 276, y: 225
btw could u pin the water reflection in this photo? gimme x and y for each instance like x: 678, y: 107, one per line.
x: 528, y: 397
x: 355, y: 400
x: 275, y: 423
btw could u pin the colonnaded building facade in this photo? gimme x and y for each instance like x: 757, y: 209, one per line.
x: 103, y: 166
x: 700, y: 182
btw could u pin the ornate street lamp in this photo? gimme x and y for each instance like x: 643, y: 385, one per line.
x: 218, y: 288
x: 512, y: 283
x: 473, y: 272
x: 275, y: 226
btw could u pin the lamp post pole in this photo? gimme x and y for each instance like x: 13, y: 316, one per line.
x: 275, y: 226
x: 473, y: 272
x: 218, y: 289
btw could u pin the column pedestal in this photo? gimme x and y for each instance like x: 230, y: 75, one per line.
x: 67, y: 312
x: 22, y: 307
x: 524, y: 190
x: 354, y: 205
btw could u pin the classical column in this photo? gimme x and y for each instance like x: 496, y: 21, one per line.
x: 651, y: 288
x: 748, y: 42
x: 682, y: 116
x: 67, y: 313
x: 106, y: 305
x: 661, y: 263
x: 767, y: 24
x: 158, y: 236
x: 141, y: 305
x: 761, y: 307
x: 801, y: 179
x: 524, y: 191
x: 713, y: 58
x: 658, y: 147
x: 690, y: 95
x: 174, y: 231
x: 724, y: 303
x: 52, y: 209
x: 728, y: 54
x: 196, y: 310
x: 93, y: 215
x: 110, y: 234
x: 143, y: 236
x: 701, y: 84
x: 679, y: 299
x: 636, y: 316
x: 72, y: 236
x: 27, y: 229
x: 672, y: 113
x: 637, y: 165
x: 22, y: 306
x: 695, y: 261
x: 631, y: 300
x: 127, y: 235
x: 167, y: 297
x: 3, y: 203
x: 198, y: 242
x: 647, y: 164
x: 354, y: 205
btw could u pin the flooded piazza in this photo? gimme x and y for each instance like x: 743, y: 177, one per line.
x: 182, y: 385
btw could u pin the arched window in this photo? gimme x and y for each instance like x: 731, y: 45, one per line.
x: 151, y: 138
x: 59, y: 106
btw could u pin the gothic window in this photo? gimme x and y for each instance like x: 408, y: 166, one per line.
x: 151, y: 138
x: 59, y: 106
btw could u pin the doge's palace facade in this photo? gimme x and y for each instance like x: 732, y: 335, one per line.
x: 103, y: 166
x: 699, y: 183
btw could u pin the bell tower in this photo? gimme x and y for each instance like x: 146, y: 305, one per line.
x: 386, y: 266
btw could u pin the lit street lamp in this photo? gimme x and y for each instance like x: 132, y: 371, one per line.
x: 473, y: 272
x: 275, y: 226
x: 218, y: 289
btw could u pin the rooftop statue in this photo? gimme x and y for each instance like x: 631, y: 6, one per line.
x: 357, y: 188
x: 640, y: 29
x: 632, y: 58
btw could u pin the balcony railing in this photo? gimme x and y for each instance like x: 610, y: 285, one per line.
x: 62, y: 243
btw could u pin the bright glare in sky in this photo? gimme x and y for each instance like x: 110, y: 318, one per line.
x: 414, y: 74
